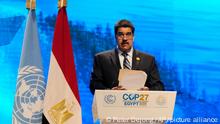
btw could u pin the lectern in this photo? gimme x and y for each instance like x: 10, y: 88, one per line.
x: 132, y: 106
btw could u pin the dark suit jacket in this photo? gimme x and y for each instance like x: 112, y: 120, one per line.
x: 106, y: 69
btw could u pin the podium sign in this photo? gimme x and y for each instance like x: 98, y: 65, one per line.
x: 130, y: 104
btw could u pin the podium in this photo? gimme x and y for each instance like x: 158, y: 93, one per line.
x: 132, y: 106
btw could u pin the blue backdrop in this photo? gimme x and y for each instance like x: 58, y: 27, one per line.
x: 183, y: 35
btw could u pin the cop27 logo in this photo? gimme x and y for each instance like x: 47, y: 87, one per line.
x: 135, y: 99
x: 134, y: 96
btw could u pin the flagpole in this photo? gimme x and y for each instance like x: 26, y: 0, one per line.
x: 31, y: 4
x: 62, y: 3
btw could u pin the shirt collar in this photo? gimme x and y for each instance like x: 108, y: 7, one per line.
x: 130, y: 53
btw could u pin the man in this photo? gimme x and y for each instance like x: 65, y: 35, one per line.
x: 108, y: 63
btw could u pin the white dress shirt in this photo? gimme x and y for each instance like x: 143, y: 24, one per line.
x: 129, y: 57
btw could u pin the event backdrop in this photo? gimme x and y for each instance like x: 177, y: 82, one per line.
x: 183, y: 35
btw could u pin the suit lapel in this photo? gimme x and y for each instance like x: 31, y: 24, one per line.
x: 136, y: 59
x: 115, y: 59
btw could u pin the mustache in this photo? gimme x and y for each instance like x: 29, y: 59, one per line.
x: 124, y: 42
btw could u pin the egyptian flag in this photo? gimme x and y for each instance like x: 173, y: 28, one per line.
x: 61, y: 102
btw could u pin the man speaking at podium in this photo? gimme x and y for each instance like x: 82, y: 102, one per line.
x: 108, y: 63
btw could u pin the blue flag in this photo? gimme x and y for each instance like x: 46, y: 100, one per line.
x: 30, y: 89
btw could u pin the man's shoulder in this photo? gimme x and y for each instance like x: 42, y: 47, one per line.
x: 140, y: 53
x: 106, y: 53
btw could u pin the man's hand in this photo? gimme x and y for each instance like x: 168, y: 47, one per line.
x: 144, y: 89
x: 118, y: 88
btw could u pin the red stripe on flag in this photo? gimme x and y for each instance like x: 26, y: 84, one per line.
x: 63, y: 52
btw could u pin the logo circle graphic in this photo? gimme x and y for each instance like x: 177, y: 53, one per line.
x: 161, y: 100
x: 29, y: 96
x: 110, y: 99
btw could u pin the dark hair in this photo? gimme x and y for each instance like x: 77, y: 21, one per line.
x: 124, y: 23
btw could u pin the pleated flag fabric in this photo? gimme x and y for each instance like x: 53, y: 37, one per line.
x: 30, y: 87
x: 61, y: 104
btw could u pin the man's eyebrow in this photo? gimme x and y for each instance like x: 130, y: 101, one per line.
x: 124, y: 32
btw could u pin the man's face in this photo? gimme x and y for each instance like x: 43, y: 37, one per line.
x: 124, y: 38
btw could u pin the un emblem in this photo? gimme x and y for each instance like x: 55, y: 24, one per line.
x: 110, y: 99
x: 29, y: 96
